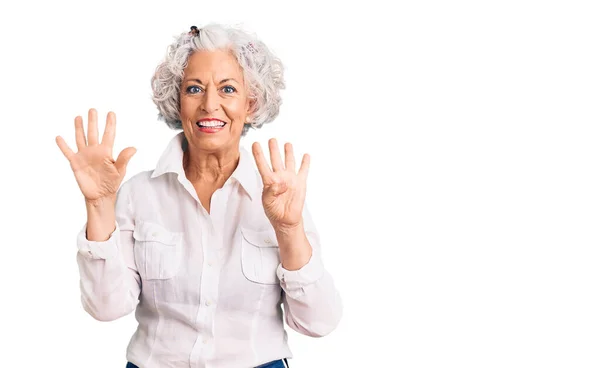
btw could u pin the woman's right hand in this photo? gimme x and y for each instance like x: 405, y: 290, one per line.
x: 98, y: 175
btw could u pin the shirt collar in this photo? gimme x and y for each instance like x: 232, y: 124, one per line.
x: 171, y: 161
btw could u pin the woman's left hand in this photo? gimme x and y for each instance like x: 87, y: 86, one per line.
x: 284, y: 190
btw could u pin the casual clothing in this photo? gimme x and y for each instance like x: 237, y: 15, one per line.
x: 210, y: 286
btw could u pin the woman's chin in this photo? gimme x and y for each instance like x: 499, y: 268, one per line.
x: 212, y: 141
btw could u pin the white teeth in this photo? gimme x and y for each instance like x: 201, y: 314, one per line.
x: 211, y: 124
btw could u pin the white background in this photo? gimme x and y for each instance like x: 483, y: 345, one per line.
x: 454, y: 174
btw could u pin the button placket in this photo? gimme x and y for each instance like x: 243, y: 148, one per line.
x: 210, y: 272
x: 208, y: 289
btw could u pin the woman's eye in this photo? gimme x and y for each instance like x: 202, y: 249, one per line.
x: 193, y: 89
x: 229, y: 89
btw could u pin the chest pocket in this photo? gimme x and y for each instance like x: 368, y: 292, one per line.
x: 157, y: 251
x: 260, y: 256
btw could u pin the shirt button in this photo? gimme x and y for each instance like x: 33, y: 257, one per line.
x: 205, y: 341
x: 268, y: 241
x: 207, y: 303
x: 154, y: 235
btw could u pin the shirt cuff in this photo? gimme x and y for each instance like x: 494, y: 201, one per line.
x: 308, y: 274
x: 98, y: 249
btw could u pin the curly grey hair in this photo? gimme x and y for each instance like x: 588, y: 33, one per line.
x: 262, y: 70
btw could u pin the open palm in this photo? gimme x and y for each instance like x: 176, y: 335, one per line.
x: 284, y: 190
x: 97, y: 174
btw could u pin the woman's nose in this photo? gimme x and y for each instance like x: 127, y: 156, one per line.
x: 210, y: 102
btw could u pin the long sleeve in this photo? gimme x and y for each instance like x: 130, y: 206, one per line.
x: 311, y: 303
x: 109, y: 281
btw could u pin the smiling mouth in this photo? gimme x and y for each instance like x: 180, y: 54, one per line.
x: 210, y: 124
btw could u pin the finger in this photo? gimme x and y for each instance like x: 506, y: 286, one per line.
x: 276, y: 162
x: 92, y: 127
x: 64, y: 147
x: 261, y: 162
x: 276, y: 189
x: 290, y: 161
x: 79, y: 133
x: 108, y: 138
x: 123, y: 159
x: 303, y: 172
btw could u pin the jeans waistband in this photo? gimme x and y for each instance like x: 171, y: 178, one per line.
x: 272, y: 364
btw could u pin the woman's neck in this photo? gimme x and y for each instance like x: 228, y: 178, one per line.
x: 211, y: 168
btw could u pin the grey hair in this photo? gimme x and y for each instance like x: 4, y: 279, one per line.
x: 262, y: 70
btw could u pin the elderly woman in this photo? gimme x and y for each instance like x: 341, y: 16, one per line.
x: 204, y: 247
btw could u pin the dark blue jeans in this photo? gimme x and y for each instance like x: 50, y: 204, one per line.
x: 273, y: 364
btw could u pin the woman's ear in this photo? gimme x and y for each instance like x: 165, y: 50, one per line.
x: 251, y: 107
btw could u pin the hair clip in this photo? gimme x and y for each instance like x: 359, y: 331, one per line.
x: 251, y: 48
x: 194, y: 31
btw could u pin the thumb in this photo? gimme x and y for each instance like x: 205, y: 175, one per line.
x: 124, y: 158
x: 277, y: 189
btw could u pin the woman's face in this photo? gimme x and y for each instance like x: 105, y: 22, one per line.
x: 213, y: 101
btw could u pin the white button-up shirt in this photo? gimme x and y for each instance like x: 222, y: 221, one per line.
x: 210, y: 286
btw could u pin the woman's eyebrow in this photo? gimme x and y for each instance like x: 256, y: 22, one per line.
x: 200, y: 82
x: 227, y: 80
x: 193, y: 80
